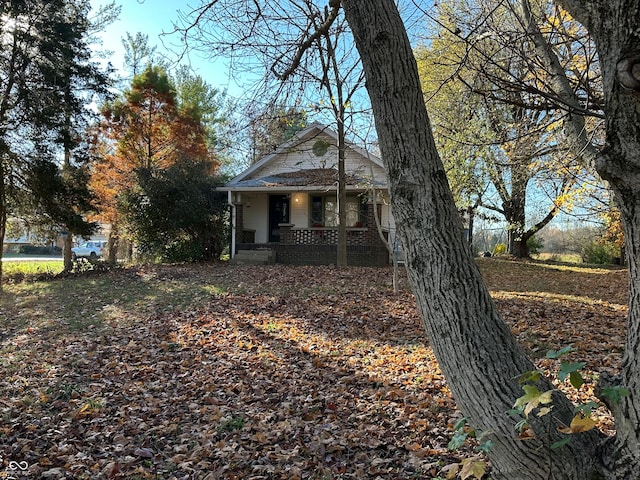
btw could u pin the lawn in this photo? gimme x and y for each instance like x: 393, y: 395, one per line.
x: 264, y: 372
x: 29, y: 267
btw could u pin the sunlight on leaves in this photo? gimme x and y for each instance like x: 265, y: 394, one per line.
x: 532, y: 399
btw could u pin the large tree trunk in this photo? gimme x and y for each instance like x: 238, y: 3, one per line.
x: 474, y: 347
x: 615, y: 27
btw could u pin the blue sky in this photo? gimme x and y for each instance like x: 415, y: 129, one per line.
x: 152, y: 18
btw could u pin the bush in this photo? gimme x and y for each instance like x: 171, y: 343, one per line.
x: 500, y: 249
x: 598, y: 253
x: 38, y: 250
x: 176, y: 214
x: 534, y: 245
x: 183, y: 250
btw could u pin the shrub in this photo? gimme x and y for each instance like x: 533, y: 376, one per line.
x: 597, y: 252
x: 38, y: 250
x: 500, y: 249
x: 183, y: 250
x: 534, y: 245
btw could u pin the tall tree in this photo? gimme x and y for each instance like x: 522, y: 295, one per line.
x: 333, y: 66
x: 474, y: 347
x: 80, y: 80
x: 476, y: 91
x: 146, y: 130
x: 48, y: 79
x: 461, y: 135
x: 211, y: 105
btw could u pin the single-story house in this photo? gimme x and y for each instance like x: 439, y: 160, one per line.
x: 284, y: 207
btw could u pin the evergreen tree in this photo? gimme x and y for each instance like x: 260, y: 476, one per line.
x: 48, y: 78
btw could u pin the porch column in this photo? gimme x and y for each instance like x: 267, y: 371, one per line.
x: 239, y: 222
x: 286, y: 235
x: 371, y: 235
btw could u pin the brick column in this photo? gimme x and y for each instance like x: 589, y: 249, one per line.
x: 286, y: 235
x: 371, y: 235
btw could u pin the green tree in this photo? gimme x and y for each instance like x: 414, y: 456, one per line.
x: 48, y: 80
x: 195, y: 95
x: 175, y: 214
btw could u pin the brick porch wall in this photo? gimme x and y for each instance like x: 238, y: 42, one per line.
x: 360, y: 255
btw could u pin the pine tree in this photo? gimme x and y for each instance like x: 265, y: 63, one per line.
x: 48, y: 78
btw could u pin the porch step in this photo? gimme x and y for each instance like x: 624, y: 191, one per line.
x: 254, y: 257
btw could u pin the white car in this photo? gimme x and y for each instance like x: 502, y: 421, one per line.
x: 92, y: 249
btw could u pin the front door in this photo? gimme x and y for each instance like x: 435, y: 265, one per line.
x: 278, y: 213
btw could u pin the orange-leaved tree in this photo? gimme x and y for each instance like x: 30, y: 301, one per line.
x: 145, y: 129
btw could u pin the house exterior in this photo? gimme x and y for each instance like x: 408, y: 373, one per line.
x: 284, y: 207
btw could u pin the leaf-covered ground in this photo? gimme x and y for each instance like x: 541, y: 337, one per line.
x: 266, y: 372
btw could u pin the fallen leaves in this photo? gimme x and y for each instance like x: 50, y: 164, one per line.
x: 258, y: 372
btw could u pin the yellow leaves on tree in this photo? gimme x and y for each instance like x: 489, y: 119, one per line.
x: 614, y: 229
x: 579, y: 424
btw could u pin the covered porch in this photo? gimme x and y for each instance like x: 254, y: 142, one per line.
x: 300, y: 228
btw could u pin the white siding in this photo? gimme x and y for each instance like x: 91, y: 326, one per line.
x: 361, y: 166
x: 301, y: 157
x: 300, y: 210
x: 256, y: 214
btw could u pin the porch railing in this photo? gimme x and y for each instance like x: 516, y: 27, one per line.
x: 326, y: 236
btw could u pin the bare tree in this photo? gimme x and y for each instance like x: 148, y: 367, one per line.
x: 318, y: 56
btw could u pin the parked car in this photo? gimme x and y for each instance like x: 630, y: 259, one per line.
x: 92, y: 249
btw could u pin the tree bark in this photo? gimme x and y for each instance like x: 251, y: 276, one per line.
x: 3, y: 206
x: 67, y: 254
x: 113, y: 244
x: 474, y: 346
x: 616, y: 32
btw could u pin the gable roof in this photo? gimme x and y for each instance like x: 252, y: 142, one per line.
x: 303, y: 177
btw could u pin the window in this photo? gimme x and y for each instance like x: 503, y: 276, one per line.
x: 324, y: 211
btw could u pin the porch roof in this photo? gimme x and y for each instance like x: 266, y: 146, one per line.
x: 310, y: 179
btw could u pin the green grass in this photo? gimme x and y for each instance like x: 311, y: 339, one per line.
x: 559, y: 257
x: 32, y: 267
